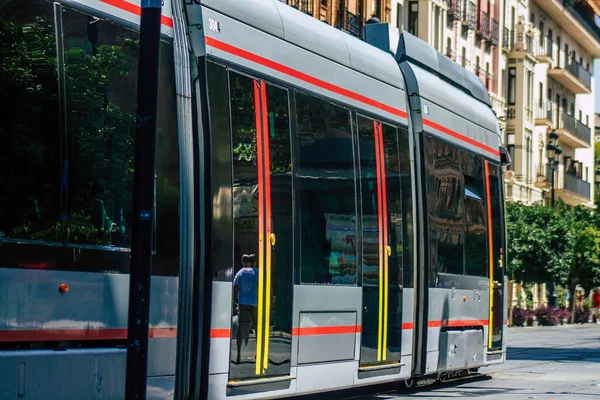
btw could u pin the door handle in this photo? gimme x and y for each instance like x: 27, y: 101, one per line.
x: 273, y: 239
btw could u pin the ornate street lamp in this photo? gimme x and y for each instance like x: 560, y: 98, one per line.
x: 554, y: 152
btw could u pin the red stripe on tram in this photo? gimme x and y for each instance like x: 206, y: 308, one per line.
x: 326, y: 330
x: 236, y: 51
x: 453, y: 323
x: 50, y: 335
x: 220, y: 333
x: 460, y: 137
x: 136, y: 10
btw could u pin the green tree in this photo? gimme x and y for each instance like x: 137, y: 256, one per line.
x: 538, y: 251
x: 597, y: 163
x: 584, y: 257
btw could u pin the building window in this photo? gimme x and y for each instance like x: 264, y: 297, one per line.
x: 399, y: 15
x: 413, y: 18
x: 463, y: 57
x: 512, y: 86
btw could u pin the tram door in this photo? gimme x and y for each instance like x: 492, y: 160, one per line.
x: 262, y: 186
x: 382, y: 244
x: 496, y: 259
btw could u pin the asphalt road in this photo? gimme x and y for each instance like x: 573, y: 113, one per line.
x: 543, y: 363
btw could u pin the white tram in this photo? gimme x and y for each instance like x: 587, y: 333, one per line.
x: 365, y: 178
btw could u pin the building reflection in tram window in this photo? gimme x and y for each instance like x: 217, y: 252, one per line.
x: 475, y: 225
x: 326, y: 192
x: 445, y: 208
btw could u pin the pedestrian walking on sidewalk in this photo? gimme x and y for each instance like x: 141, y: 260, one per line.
x: 596, y: 305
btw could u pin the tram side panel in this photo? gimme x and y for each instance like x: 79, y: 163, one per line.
x: 456, y: 150
x: 64, y: 261
x: 323, y: 331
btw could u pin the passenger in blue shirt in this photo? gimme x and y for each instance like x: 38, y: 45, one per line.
x: 245, y: 285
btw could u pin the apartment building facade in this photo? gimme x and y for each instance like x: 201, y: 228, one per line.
x: 536, y: 59
x: 347, y: 15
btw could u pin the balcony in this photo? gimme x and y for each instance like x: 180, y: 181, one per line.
x: 519, y: 42
x: 508, y: 39
x: 470, y: 15
x: 483, y: 25
x: 351, y: 24
x: 454, y: 9
x: 573, y: 133
x: 306, y: 6
x: 543, y: 176
x: 494, y: 32
x: 572, y: 76
x: 544, y: 50
x: 586, y: 16
x: 569, y: 187
x: 575, y: 186
x: 450, y: 53
x: 577, y: 20
x: 544, y: 113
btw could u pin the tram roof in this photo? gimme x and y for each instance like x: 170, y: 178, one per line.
x: 295, y: 27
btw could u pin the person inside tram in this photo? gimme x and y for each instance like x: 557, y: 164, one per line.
x: 245, y: 286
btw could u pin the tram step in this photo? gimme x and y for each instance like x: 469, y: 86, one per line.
x: 259, y: 381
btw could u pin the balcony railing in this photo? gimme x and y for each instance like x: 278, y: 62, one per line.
x: 454, y: 8
x: 576, y: 185
x: 306, y: 6
x: 450, y: 53
x: 585, y: 15
x: 544, y: 110
x: 579, y: 72
x: 543, y: 174
x: 529, y: 44
x: 483, y: 25
x: 545, y: 47
x: 470, y: 15
x: 508, y: 39
x: 576, y: 128
x: 494, y: 31
x: 351, y: 24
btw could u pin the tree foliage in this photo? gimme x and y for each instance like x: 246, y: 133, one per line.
x: 536, y: 244
x: 560, y: 245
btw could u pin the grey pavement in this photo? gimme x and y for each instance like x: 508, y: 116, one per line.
x: 560, y: 362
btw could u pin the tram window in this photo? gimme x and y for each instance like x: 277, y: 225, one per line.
x: 222, y: 222
x: 496, y: 202
x: 394, y: 195
x: 475, y: 225
x: 90, y: 159
x: 407, y: 211
x: 445, y: 208
x: 29, y: 128
x: 100, y: 63
x: 325, y: 192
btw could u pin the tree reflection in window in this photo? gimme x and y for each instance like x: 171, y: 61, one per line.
x: 29, y: 128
